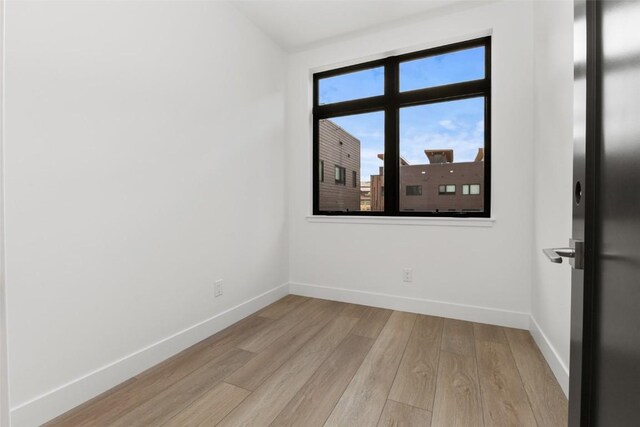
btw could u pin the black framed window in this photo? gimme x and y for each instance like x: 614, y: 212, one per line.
x: 447, y: 189
x: 413, y: 190
x: 417, y: 124
x: 341, y: 175
x: 321, y: 166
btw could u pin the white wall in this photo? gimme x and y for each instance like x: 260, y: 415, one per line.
x: 144, y: 160
x: 553, y: 154
x: 4, y: 383
x: 480, y: 273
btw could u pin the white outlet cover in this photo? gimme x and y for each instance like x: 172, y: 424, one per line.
x: 217, y: 288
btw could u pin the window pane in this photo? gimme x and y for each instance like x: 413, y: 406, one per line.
x: 442, y: 149
x: 340, y: 175
x: 414, y: 190
x: 355, y: 145
x: 455, y: 67
x: 345, y: 87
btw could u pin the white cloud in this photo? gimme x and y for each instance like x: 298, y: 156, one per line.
x: 447, y: 124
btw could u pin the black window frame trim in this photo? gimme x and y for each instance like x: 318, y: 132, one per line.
x: 391, y: 102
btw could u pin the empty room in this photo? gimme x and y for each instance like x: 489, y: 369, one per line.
x: 319, y: 213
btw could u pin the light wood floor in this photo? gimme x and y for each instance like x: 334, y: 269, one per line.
x: 311, y: 362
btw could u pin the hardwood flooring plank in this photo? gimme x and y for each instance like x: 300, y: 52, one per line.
x: 365, y: 396
x: 489, y: 333
x: 283, y: 306
x: 266, y: 402
x: 415, y: 382
x: 167, y: 403
x: 457, y: 337
x: 210, y: 408
x: 372, y: 320
x: 396, y: 414
x: 354, y: 310
x: 504, y: 399
x: 259, y: 342
x: 457, y: 402
x: 251, y: 375
x: 314, y: 402
x: 549, y: 404
x: 91, y: 408
x: 115, y: 403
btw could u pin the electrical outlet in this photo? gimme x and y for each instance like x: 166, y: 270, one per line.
x: 217, y: 288
x: 407, y: 275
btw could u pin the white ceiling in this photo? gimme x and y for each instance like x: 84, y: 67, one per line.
x: 299, y: 24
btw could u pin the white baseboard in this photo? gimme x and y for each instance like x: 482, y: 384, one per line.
x: 72, y: 394
x: 511, y: 319
x: 559, y: 369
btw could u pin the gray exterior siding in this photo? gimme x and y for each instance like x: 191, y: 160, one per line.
x: 338, y: 148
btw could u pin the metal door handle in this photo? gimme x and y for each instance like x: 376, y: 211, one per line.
x: 575, y: 253
x: 556, y: 254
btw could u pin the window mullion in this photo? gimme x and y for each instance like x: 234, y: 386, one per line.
x: 391, y: 145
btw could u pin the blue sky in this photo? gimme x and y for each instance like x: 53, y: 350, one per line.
x: 455, y: 124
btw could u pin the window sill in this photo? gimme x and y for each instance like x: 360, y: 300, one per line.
x: 392, y: 220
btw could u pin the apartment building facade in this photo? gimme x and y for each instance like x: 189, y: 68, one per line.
x: 339, y: 169
x: 441, y: 185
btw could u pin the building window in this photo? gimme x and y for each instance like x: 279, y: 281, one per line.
x: 414, y: 190
x: 321, y: 166
x: 470, y: 189
x: 448, y: 189
x: 378, y: 119
x: 341, y: 175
